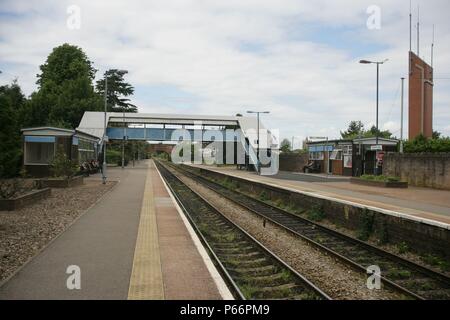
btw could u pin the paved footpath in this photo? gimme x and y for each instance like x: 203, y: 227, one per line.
x: 132, y: 244
x: 421, y: 203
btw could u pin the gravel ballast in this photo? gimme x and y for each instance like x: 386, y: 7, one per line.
x: 24, y: 232
x: 332, y: 276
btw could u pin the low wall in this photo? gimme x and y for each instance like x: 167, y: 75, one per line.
x: 420, y: 169
x: 293, y: 162
x: 421, y: 237
x: 24, y: 200
x: 60, y: 182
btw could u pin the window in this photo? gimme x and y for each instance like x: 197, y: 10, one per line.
x: 39, y: 152
x: 316, y: 156
x: 336, y: 155
x: 86, y: 150
x: 347, y: 150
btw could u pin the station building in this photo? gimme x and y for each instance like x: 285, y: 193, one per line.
x: 353, y: 157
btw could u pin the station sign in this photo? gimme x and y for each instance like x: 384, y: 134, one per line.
x: 376, y: 148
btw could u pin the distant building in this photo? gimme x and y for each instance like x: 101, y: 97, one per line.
x: 420, y: 97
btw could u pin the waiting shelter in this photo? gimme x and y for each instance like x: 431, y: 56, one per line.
x: 41, y: 144
x: 350, y: 157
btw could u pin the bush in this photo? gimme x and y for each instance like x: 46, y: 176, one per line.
x: 62, y: 166
x: 10, y: 188
x: 380, y: 178
x: 316, y: 213
x: 423, y: 144
x: 115, y: 157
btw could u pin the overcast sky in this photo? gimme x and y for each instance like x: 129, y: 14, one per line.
x: 295, y: 58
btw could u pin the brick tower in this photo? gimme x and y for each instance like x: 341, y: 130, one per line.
x: 420, y: 97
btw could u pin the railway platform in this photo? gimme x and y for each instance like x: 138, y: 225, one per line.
x: 415, y: 203
x: 132, y: 244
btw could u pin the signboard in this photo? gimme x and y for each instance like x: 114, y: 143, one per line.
x: 376, y: 148
x: 380, y: 156
x: 348, y: 161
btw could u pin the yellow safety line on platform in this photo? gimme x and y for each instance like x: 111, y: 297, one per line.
x: 146, y: 278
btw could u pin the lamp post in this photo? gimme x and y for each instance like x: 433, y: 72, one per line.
x: 378, y: 90
x: 401, y: 120
x: 104, y: 131
x: 124, y: 129
x: 257, y: 133
x: 378, y: 84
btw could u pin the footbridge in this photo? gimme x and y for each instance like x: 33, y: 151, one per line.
x: 238, y: 131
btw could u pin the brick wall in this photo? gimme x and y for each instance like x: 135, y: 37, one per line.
x: 293, y: 162
x: 420, y: 169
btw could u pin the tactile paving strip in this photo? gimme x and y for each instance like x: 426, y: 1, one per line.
x: 146, y: 282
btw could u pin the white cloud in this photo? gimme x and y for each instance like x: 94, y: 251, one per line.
x: 312, y: 86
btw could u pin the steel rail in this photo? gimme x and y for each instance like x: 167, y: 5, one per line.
x: 229, y: 279
x: 436, y: 276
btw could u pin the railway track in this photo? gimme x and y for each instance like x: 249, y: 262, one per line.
x: 250, y: 269
x: 407, y: 277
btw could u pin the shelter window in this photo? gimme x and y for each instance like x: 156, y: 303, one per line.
x: 39, y: 150
x: 316, y: 156
x: 336, y: 155
x: 348, y: 150
x: 86, y: 150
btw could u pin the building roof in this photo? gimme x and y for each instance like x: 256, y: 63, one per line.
x: 53, y: 131
x: 365, y: 141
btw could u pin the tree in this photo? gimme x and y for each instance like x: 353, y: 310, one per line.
x: 65, y: 89
x: 118, y: 90
x: 436, y: 135
x: 355, y: 128
x: 285, y: 145
x: 12, y: 101
x: 424, y: 144
x: 381, y: 134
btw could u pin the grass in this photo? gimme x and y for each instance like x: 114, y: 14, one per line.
x: 437, y: 261
x: 229, y: 184
x: 248, y: 291
x: 316, y: 213
x: 263, y: 196
x: 279, y: 203
x: 399, y: 274
x: 402, y: 247
x: 366, y: 225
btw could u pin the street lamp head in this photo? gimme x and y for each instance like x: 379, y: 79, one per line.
x: 365, y: 61
x: 258, y: 111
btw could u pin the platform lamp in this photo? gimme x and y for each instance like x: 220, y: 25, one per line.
x: 378, y: 90
x: 104, y: 131
x: 257, y: 134
x: 124, y: 130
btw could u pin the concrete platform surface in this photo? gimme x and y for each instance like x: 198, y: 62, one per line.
x: 132, y: 244
x: 425, y: 203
